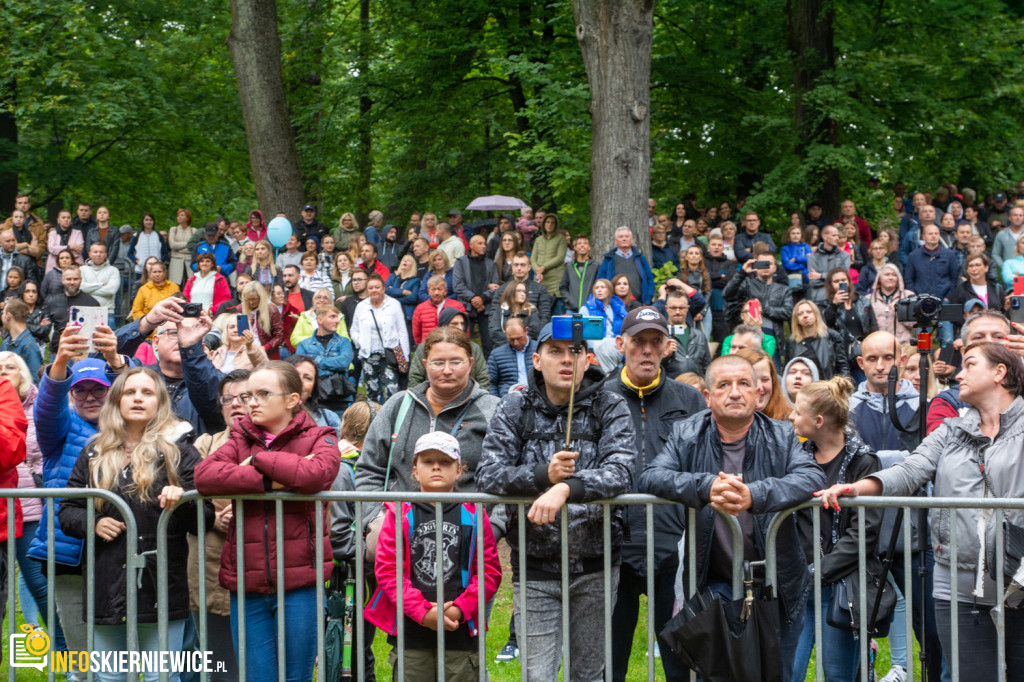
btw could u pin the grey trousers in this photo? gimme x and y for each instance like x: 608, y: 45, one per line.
x: 543, y: 632
x: 68, y: 598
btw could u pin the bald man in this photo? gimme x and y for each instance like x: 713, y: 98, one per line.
x: 879, y: 353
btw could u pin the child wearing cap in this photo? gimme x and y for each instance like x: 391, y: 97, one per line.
x: 437, y: 465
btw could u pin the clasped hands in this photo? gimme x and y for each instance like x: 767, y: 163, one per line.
x: 730, y: 494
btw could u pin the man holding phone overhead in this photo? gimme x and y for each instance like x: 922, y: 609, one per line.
x: 59, y: 307
x: 754, y: 282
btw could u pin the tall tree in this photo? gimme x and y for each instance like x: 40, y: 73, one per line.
x: 615, y: 39
x: 256, y: 52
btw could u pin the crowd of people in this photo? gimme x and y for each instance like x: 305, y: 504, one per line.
x: 424, y: 357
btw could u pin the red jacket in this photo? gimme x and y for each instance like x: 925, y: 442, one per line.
x: 382, y: 608
x: 379, y: 268
x: 289, y: 317
x: 221, y: 290
x: 13, y: 432
x: 285, y: 461
x: 425, y: 318
x: 272, y: 342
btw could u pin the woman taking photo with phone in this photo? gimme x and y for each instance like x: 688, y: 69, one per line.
x: 264, y: 319
x: 140, y: 454
x: 849, y: 314
x: 277, y: 446
x: 237, y: 351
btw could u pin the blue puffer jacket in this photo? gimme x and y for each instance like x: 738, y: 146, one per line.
x: 596, y: 308
x: 60, y: 442
x: 794, y: 258
x: 504, y: 370
x: 394, y: 287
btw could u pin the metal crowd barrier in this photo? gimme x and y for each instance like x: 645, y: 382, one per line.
x: 361, y: 499
x: 133, y: 561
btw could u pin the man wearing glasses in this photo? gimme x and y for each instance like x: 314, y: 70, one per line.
x: 182, y: 362
x: 687, y: 347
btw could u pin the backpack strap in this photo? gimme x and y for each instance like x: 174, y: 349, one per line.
x: 402, y: 410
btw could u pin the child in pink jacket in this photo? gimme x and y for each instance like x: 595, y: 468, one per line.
x: 437, y: 466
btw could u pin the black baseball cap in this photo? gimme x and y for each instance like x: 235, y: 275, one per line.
x: 309, y: 207
x: 642, y: 319
x: 1000, y: 196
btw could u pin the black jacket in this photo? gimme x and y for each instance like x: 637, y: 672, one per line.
x: 111, y: 575
x: 777, y: 471
x: 840, y: 559
x: 536, y: 293
x: 963, y: 292
x: 828, y: 353
x: 694, y: 358
x: 303, y: 231
x: 654, y: 415
x: 853, y: 324
x: 776, y: 300
x: 720, y: 270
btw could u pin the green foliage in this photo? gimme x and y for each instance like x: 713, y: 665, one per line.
x: 664, y: 273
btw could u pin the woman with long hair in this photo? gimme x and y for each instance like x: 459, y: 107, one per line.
x: 812, y: 237
x: 140, y: 453
x: 179, y: 237
x: 854, y: 247
x: 304, y: 459
x: 514, y: 302
x: 309, y: 373
x: 972, y: 456
x: 440, y: 266
x: 289, y: 314
x: 821, y: 415
x: 404, y: 286
x: 236, y: 351
x: 264, y: 319
x: 264, y: 269
x: 38, y: 323
x: 849, y: 314
x: 695, y: 273
x: 603, y: 303
x: 887, y: 290
x: 52, y: 284
x: 207, y: 286
x: 622, y: 289
x: 346, y: 232
x: 548, y: 258
x: 15, y: 278
x: 511, y: 243
x: 246, y: 254
x: 811, y: 338
x: 341, y: 276
x: 771, y: 398
x: 153, y: 291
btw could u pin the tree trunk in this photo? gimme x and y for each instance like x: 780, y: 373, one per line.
x: 256, y: 53
x: 811, y: 38
x: 364, y: 161
x: 615, y: 39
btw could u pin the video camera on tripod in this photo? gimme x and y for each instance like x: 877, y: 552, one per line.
x: 926, y: 310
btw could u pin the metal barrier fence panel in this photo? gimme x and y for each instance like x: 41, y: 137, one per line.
x: 136, y: 561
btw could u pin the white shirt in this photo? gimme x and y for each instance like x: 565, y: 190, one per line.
x: 453, y: 248
x: 102, y: 283
x: 146, y: 246
x: 389, y: 318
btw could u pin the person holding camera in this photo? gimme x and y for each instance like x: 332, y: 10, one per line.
x: 886, y: 292
x: 687, y: 348
x: 178, y: 330
x: 755, y: 281
x: 849, y: 314
x: 932, y: 269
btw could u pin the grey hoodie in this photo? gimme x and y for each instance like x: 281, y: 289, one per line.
x: 815, y: 375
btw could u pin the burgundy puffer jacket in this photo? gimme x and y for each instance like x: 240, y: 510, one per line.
x: 285, y: 461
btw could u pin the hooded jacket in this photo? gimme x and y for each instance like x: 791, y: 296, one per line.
x: 869, y: 412
x: 949, y: 457
x: 813, y: 368
x: 654, y: 414
x: 597, y: 308
x: 284, y: 460
x: 515, y: 462
x: 777, y: 471
x: 111, y: 607
x: 474, y: 406
x: 885, y: 308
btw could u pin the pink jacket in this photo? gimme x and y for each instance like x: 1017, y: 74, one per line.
x: 382, y: 609
x: 221, y: 290
x: 31, y: 507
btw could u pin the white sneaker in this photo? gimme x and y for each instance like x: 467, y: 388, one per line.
x: 895, y: 674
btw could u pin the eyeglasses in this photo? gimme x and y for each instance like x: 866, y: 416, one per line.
x: 170, y: 333
x: 441, y: 364
x: 81, y: 393
x: 259, y: 397
x: 227, y: 399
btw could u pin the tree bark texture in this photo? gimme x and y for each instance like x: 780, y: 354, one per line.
x: 256, y: 52
x: 811, y: 39
x: 615, y: 39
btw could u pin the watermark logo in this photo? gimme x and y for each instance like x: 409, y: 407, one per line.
x: 29, y: 649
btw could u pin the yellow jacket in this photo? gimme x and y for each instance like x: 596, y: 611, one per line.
x: 149, y: 295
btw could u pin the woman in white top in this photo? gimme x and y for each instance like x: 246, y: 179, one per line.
x: 179, y: 236
x: 207, y: 286
x: 378, y: 325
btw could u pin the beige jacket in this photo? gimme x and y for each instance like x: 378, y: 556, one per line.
x: 218, y: 600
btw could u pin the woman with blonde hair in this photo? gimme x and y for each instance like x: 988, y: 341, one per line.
x: 771, y: 399
x: 263, y: 268
x: 404, y: 286
x: 237, y: 351
x: 812, y: 339
x: 440, y: 266
x: 694, y: 272
x: 728, y: 229
x: 141, y: 454
x: 178, y: 239
x: 264, y: 319
x: 344, y: 235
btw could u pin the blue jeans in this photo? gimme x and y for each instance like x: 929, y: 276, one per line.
x: 261, y: 616
x: 789, y: 632
x: 838, y: 651
x: 115, y: 638
x: 35, y: 580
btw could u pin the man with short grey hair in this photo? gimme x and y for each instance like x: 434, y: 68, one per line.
x: 733, y: 460
x: 626, y: 259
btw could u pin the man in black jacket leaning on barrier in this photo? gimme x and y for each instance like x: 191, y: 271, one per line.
x: 524, y: 454
x: 735, y: 460
x: 656, y: 403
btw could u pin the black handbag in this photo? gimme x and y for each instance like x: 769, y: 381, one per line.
x: 335, y: 390
x: 1013, y: 552
x: 844, y: 605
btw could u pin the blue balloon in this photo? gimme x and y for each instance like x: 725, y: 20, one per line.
x: 278, y: 231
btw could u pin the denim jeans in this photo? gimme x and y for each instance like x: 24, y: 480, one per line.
x: 543, y: 631
x: 838, y: 652
x: 35, y: 581
x: 115, y: 638
x: 261, y: 616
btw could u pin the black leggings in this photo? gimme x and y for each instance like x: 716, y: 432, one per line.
x: 978, y: 642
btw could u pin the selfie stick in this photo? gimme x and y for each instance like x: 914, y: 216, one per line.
x: 577, y: 348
